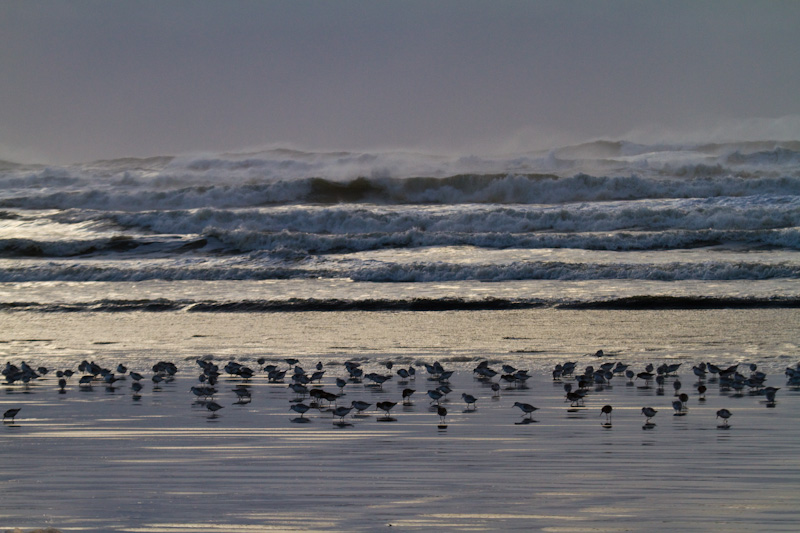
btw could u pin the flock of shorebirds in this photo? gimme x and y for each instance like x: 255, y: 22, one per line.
x: 309, y: 393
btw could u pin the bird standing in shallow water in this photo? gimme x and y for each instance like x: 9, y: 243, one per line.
x: 469, y: 399
x: 300, y: 408
x: 649, y: 413
x: 606, y: 410
x: 213, y: 407
x: 724, y: 414
x: 442, y: 412
x: 386, y: 407
x: 11, y: 413
x: 527, y: 409
x: 701, y: 390
x: 407, y: 396
x: 359, y: 406
x: 770, y: 392
x: 342, y: 412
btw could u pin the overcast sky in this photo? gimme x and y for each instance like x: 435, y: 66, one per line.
x: 82, y: 80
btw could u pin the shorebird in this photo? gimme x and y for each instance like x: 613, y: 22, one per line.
x: 386, y: 407
x: 11, y: 413
x: 407, y: 396
x: 442, y: 412
x: 359, y: 406
x: 527, y: 409
x: 213, y: 407
x: 341, y: 383
x: 62, y: 383
x: 435, y: 395
x: 496, y: 389
x: 606, y: 410
x: 649, y: 413
x: 470, y: 400
x: 770, y: 392
x: 204, y: 391
x: 701, y: 390
x: 724, y: 414
x: 300, y: 408
x: 342, y: 412
x: 242, y: 393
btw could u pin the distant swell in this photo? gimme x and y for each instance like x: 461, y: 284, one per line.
x: 405, y: 273
x: 506, y: 188
x: 414, y: 304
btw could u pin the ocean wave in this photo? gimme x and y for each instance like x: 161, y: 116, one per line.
x: 463, y: 189
x: 415, y: 272
x: 408, y: 304
x: 291, y: 245
x: 725, y: 214
x: 118, y: 244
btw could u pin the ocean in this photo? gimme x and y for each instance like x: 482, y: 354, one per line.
x: 600, y: 225
x: 677, y: 253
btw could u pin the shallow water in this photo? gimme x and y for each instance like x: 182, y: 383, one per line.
x: 101, y: 461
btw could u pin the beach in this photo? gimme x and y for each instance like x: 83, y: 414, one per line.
x: 100, y: 460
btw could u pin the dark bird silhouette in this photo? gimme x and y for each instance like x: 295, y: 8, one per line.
x: 527, y: 409
x: 11, y: 413
x: 386, y: 407
x: 407, y: 396
x: 724, y: 414
x: 649, y: 413
x: 213, y: 407
x: 469, y: 399
x: 606, y: 410
x: 442, y: 412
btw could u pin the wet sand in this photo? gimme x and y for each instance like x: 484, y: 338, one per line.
x: 98, y: 460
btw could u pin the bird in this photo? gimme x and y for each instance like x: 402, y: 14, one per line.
x: 359, y: 406
x: 724, y: 414
x: 300, y: 408
x: 386, y: 407
x: 678, y: 406
x: 527, y: 409
x: 407, y: 396
x: 435, y: 395
x: 342, y: 412
x: 496, y: 389
x: 242, y: 393
x: 62, y: 383
x: 606, y: 410
x: 648, y: 412
x: 213, y: 407
x: 770, y: 392
x: 470, y: 400
x: 11, y: 413
x: 701, y: 390
x: 442, y: 412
